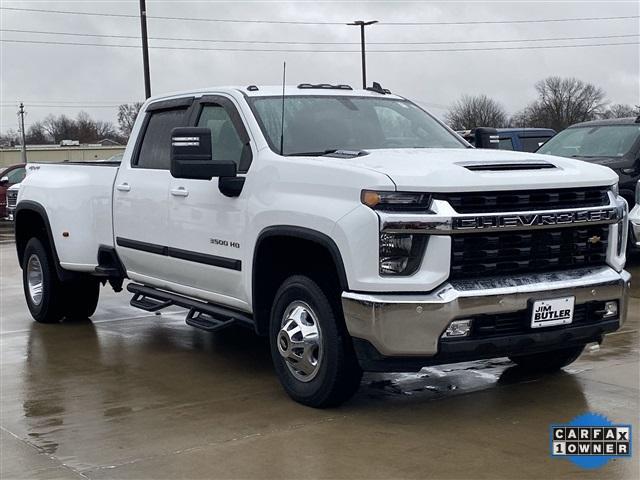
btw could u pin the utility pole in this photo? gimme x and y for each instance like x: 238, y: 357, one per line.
x: 21, y: 112
x: 145, y: 49
x: 362, y: 24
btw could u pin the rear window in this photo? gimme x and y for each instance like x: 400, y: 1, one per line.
x: 155, y: 151
x: 531, y: 144
x: 505, y: 144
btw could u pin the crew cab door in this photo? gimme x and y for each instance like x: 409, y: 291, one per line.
x: 207, y: 228
x: 141, y: 194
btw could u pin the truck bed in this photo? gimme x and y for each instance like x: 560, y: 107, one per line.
x: 77, y: 198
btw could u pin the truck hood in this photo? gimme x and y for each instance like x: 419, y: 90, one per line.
x: 447, y: 169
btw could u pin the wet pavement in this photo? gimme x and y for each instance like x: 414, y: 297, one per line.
x: 136, y: 395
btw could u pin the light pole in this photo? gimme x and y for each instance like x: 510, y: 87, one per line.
x: 21, y: 112
x: 145, y: 49
x: 362, y: 24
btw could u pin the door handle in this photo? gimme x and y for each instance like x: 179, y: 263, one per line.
x: 124, y: 187
x: 180, y: 192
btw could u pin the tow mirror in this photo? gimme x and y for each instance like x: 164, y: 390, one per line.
x: 486, y: 137
x: 191, y: 155
x: 4, y: 181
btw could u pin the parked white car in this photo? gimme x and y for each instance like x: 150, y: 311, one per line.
x: 634, y: 217
x: 12, y: 200
x: 364, y: 235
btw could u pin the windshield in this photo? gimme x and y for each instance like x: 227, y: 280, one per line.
x: 314, y: 125
x: 596, y: 141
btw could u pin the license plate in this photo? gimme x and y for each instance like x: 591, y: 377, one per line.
x: 549, y: 313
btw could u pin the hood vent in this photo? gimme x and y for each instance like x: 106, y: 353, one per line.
x: 506, y: 166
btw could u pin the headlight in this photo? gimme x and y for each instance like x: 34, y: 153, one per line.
x: 401, y: 254
x: 396, y: 201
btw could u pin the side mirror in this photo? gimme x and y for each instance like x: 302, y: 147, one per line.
x: 4, y: 181
x: 191, y: 155
x: 486, y: 137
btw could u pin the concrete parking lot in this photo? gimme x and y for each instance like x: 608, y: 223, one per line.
x: 136, y: 395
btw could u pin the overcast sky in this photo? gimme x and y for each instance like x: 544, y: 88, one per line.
x: 80, y: 76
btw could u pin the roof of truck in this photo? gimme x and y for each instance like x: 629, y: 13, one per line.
x: 526, y: 130
x: 276, y: 91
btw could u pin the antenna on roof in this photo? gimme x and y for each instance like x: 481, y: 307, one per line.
x: 284, y: 77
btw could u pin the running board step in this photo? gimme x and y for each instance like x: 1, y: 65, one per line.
x: 149, y: 304
x: 206, y: 322
x: 206, y: 316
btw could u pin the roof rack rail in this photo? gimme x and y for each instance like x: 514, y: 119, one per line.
x: 376, y: 87
x: 325, y: 86
x: 252, y: 88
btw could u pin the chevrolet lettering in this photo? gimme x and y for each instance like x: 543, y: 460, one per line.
x: 608, y: 215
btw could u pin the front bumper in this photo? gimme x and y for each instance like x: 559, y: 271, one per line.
x: 634, y: 223
x: 410, y: 325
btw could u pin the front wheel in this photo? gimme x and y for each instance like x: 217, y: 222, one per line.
x: 312, y: 353
x: 548, y: 361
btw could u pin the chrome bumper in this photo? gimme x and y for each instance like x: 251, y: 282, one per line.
x: 634, y: 223
x: 411, y: 324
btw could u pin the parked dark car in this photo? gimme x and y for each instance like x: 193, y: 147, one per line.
x: 8, y: 177
x: 518, y: 139
x: 614, y: 143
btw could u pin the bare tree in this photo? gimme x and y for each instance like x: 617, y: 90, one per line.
x: 561, y: 102
x: 37, y: 134
x: 10, y: 138
x: 127, y: 114
x: 476, y: 111
x: 620, y: 110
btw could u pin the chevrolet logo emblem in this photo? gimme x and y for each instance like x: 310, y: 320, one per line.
x: 593, y: 240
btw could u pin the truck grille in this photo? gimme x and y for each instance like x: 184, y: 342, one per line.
x: 520, y: 201
x: 514, y: 323
x: 12, y: 198
x: 480, y: 255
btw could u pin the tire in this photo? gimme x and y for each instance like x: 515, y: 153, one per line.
x: 301, y: 306
x: 548, y: 361
x: 81, y: 298
x: 45, y: 297
x: 76, y: 299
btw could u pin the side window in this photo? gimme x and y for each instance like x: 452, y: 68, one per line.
x: 17, y: 175
x: 505, y: 144
x: 226, y: 143
x: 155, y: 151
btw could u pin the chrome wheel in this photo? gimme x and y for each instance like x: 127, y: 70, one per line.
x: 34, y: 279
x: 300, y: 341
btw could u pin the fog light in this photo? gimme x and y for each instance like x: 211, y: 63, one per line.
x: 610, y: 309
x: 458, y: 328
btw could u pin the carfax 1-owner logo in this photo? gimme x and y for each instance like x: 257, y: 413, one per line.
x: 590, y: 440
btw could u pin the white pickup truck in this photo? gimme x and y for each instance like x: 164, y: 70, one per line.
x: 355, y: 230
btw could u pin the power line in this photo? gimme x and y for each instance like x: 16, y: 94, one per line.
x: 303, y: 22
x: 501, y: 22
x: 283, y: 42
x: 264, y: 50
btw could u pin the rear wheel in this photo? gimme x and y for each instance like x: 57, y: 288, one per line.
x: 49, y: 299
x: 42, y: 288
x: 82, y: 298
x: 548, y: 361
x: 311, y: 351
